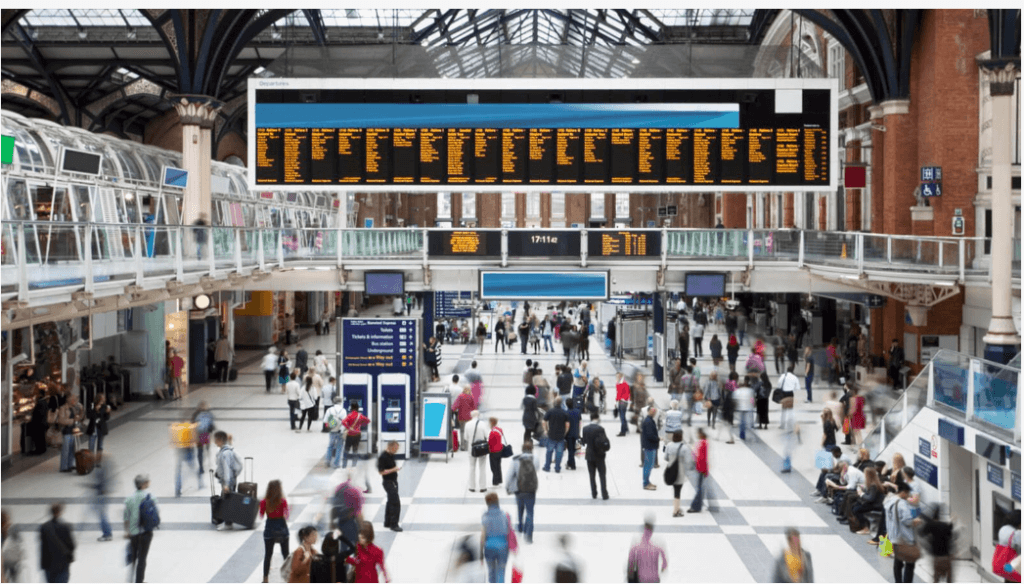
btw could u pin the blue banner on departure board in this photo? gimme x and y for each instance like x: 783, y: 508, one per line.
x: 444, y: 306
x: 380, y: 345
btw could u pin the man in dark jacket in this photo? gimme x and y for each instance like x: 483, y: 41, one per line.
x: 649, y: 442
x: 301, y: 360
x: 896, y: 357
x: 564, y: 382
x: 56, y: 546
x: 573, y: 434
x: 595, y: 440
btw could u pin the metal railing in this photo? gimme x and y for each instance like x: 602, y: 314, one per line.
x: 39, y: 255
x: 968, y: 388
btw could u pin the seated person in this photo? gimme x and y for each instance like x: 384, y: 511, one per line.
x: 830, y: 474
x: 850, y: 478
x: 864, y: 461
x: 872, y: 493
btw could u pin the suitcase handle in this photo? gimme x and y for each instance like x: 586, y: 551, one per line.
x: 247, y: 470
x: 213, y: 481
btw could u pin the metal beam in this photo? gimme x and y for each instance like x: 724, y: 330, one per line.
x: 316, y: 25
x: 39, y: 63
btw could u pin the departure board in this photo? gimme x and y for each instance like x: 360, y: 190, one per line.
x: 685, y: 134
x: 623, y: 243
x: 464, y: 243
x: 544, y: 243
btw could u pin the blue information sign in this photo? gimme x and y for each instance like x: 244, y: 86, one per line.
x: 924, y: 447
x: 931, y: 189
x: 926, y: 470
x: 1015, y: 486
x: 995, y: 474
x: 952, y: 432
x: 444, y: 306
x: 380, y: 345
x: 931, y: 173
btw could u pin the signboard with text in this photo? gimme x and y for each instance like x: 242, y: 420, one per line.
x: 380, y: 345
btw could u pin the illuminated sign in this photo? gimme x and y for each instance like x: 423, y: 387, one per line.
x: 464, y: 242
x: 623, y: 243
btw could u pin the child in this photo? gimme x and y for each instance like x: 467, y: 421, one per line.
x: 229, y: 466
x: 367, y: 557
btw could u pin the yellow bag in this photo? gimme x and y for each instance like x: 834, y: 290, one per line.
x: 183, y: 435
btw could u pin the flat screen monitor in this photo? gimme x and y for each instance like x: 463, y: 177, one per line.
x: 80, y: 161
x: 384, y: 283
x: 705, y: 284
x: 178, y: 177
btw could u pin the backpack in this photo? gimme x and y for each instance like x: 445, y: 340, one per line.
x: 526, y: 481
x: 149, y: 516
x: 332, y: 421
x: 204, y: 423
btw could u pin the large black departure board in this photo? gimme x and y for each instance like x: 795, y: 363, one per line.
x: 725, y: 137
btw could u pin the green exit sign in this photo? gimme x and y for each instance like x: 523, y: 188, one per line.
x: 8, y: 150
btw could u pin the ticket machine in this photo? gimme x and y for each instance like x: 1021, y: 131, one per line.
x: 359, y: 387
x: 395, y: 411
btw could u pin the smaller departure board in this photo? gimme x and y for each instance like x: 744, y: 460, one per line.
x: 623, y: 243
x: 543, y: 243
x: 486, y: 156
x: 464, y: 243
x: 433, y: 163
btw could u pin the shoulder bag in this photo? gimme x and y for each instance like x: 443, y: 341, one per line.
x: 908, y: 553
x: 506, y: 449
x: 479, y: 447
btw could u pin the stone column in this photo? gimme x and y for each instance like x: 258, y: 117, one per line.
x: 1002, y: 341
x: 197, y: 116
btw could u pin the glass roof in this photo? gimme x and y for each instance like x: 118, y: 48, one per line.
x: 86, y: 17
x: 700, y: 17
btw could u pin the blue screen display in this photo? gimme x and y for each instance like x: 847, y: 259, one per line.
x: 384, y: 283
x: 705, y: 284
x: 544, y: 285
x: 175, y: 177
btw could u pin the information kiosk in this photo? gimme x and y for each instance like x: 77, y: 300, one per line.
x: 394, y: 405
x: 359, y: 387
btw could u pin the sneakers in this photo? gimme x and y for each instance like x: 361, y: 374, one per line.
x: 106, y: 538
x: 826, y: 500
x: 651, y: 487
x: 678, y: 514
x: 873, y: 541
x: 815, y: 493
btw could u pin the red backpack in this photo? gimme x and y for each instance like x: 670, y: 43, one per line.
x: 1003, y: 555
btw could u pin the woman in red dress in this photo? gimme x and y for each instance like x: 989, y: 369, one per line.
x: 367, y: 557
x: 857, y: 420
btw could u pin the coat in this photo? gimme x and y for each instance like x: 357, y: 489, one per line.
x: 782, y: 570
x: 56, y: 545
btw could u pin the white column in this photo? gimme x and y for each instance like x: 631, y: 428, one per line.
x: 197, y: 118
x: 1001, y: 331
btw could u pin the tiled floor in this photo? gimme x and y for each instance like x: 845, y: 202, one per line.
x: 736, y: 542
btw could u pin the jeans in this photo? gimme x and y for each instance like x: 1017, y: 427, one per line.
x: 698, y: 346
x: 200, y: 451
x: 902, y: 572
x: 556, y: 448
x: 649, y: 454
x: 570, y: 449
x: 499, y: 340
x: 96, y: 441
x: 745, y: 416
x: 351, y: 449
x: 393, y: 507
x: 222, y: 371
x: 67, y: 452
x: 495, y: 460
x: 54, y: 575
x: 698, y: 497
x: 269, y: 377
x: 525, y: 501
x: 333, y: 449
x: 496, y: 558
x: 268, y: 551
x: 184, y: 458
x: 293, y: 406
x: 743, y: 335
x: 140, y: 550
x: 597, y: 466
x: 100, y: 504
x: 622, y: 417
x: 807, y: 384
x: 522, y: 344
x: 548, y: 345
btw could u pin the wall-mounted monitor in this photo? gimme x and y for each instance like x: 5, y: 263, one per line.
x: 384, y: 283
x: 177, y: 177
x: 705, y: 284
x: 80, y: 161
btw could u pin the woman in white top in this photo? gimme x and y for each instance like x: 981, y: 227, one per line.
x: 309, y: 394
x: 477, y: 429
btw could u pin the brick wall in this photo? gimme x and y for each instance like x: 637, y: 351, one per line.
x: 734, y: 210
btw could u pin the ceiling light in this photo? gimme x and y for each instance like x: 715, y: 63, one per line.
x: 82, y: 33
x: 635, y: 61
x: 131, y: 34
x: 275, y: 34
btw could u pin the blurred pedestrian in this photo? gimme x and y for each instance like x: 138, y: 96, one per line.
x: 203, y: 419
x: 522, y: 482
x: 56, y: 546
x: 388, y: 469
x: 938, y: 536
x: 700, y: 463
x: 463, y: 408
x: 676, y: 453
x: 99, y: 415
x: 12, y: 552
x: 140, y: 511
x: 567, y: 567
x: 642, y: 564
x: 269, y: 367
x: 715, y: 347
x: 478, y: 457
x: 712, y: 397
x: 732, y: 349
x: 496, y: 539
x: 794, y: 564
x: 101, y: 484
x: 368, y: 557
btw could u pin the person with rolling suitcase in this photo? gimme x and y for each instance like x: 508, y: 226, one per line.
x: 229, y: 466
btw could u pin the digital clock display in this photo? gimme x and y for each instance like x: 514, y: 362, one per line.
x: 543, y: 243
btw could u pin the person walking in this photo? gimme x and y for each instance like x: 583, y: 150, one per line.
x: 677, y: 453
x: 99, y: 415
x: 572, y: 436
x: 900, y: 522
x: 675, y: 381
x: 792, y: 353
x: 531, y: 413
x: 700, y: 464
x: 203, y: 419
x: 336, y: 432
x: 275, y: 531
x: 352, y: 426
x: 712, y: 397
x: 463, y: 408
x: 497, y: 539
x: 649, y: 441
x: 301, y: 360
x: 794, y: 563
x: 56, y: 546
x: 698, y: 339
x: 69, y: 419
x: 478, y: 452
x: 523, y: 335
x: 291, y: 390
x: 728, y: 410
x: 13, y: 551
x: 522, y: 482
x: 583, y: 343
x: 223, y: 354
x: 715, y: 346
x: 302, y: 558
x: 745, y: 397
x: 596, y: 442
x: 101, y: 484
x: 141, y: 516
x: 683, y: 346
x: 762, y: 386
x: 499, y: 335
x: 308, y: 396
x: 368, y: 557
x: 388, y: 469
x: 643, y: 563
x: 808, y: 371
x: 556, y: 428
x: 229, y: 467
x: 269, y: 367
x: 732, y: 350
x: 495, y: 444
x: 546, y: 330
x: 622, y: 401
x: 481, y: 336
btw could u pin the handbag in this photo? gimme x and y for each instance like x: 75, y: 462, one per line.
x: 907, y: 553
x: 506, y: 449
x: 672, y: 470
x: 698, y: 396
x: 479, y: 447
x: 777, y: 395
x: 54, y: 438
x: 633, y: 573
x: 846, y: 425
x: 1003, y: 555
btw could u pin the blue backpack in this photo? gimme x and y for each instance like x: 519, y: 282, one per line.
x: 149, y: 517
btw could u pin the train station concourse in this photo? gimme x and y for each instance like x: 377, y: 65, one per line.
x: 487, y: 295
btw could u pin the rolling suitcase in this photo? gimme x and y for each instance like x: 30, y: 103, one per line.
x: 84, y: 459
x: 248, y: 486
x: 232, y: 374
x: 239, y: 509
x: 215, y: 501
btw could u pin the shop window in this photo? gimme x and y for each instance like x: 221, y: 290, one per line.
x: 621, y: 205
x: 444, y: 205
x: 558, y: 206
x: 597, y: 206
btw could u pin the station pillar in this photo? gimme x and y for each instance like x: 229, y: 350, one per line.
x: 197, y: 115
x: 1002, y: 341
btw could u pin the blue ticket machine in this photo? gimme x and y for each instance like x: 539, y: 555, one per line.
x: 393, y: 405
x: 359, y: 387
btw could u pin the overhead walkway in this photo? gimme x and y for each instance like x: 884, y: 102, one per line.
x: 46, y: 264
